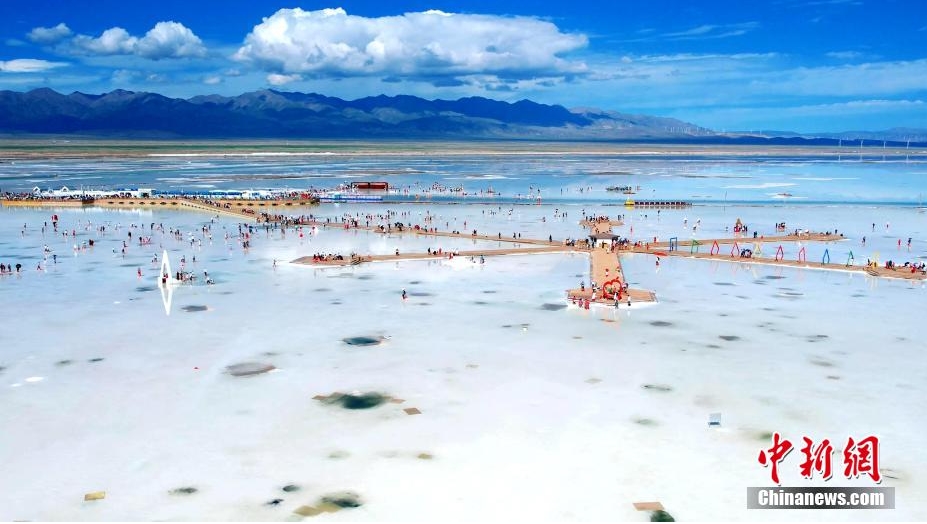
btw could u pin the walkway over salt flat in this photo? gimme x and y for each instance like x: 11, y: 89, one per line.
x: 881, y: 271
x: 605, y: 263
x: 747, y: 241
x: 248, y: 209
x: 433, y: 256
x: 421, y: 231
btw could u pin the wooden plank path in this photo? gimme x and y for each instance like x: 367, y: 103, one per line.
x: 434, y: 256
x: 604, y: 266
x: 747, y: 242
x: 158, y: 203
x: 898, y: 272
x: 435, y: 233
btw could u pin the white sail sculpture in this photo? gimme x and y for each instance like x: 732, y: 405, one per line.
x: 166, y: 282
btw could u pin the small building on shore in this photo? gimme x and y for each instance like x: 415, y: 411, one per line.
x: 604, y: 239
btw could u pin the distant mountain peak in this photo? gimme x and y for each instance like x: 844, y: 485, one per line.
x: 278, y: 113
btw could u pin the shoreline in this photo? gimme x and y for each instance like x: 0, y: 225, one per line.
x: 63, y: 147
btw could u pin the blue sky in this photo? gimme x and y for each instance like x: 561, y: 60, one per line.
x: 801, y: 65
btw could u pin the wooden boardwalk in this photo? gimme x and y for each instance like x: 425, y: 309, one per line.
x: 748, y: 241
x: 239, y: 211
x: 434, y: 233
x: 434, y: 256
x: 898, y: 272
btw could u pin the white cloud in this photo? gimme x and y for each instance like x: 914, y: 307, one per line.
x: 695, y: 31
x: 49, y: 35
x: 701, y: 32
x: 113, y: 41
x: 28, y: 65
x: 838, y: 116
x: 170, y: 40
x: 865, y: 79
x: 125, y: 76
x: 276, y: 79
x: 164, y: 40
x: 431, y: 44
x: 844, y: 55
x: 212, y: 80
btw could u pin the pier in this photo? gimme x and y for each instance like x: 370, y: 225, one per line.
x: 247, y: 209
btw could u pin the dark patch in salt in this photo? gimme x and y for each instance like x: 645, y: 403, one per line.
x: 336, y: 302
x: 769, y: 309
x: 187, y: 490
x: 552, y: 307
x: 322, y: 289
x: 345, y: 499
x: 64, y: 362
x: 247, y: 369
x: 128, y: 265
x: 773, y: 277
x: 338, y: 455
x: 360, y: 400
x: 270, y: 353
x: 645, y: 422
x: 833, y: 377
x: 194, y: 309
x: 729, y: 338
x: 822, y: 363
x: 97, y: 359
x: 365, y: 277
x: 290, y: 488
x: 657, y: 387
x: 420, y: 294
x: 742, y: 297
x: 712, y: 346
x: 480, y: 303
x: 661, y: 323
x: 414, y: 282
x: 489, y: 291
x: 506, y: 325
x: 274, y: 502
x: 143, y: 289
x: 226, y: 292
x: 723, y: 284
x: 363, y: 340
x: 424, y: 304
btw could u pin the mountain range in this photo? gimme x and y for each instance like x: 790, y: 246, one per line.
x: 270, y: 113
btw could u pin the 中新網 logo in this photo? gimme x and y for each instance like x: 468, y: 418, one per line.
x: 859, y: 458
